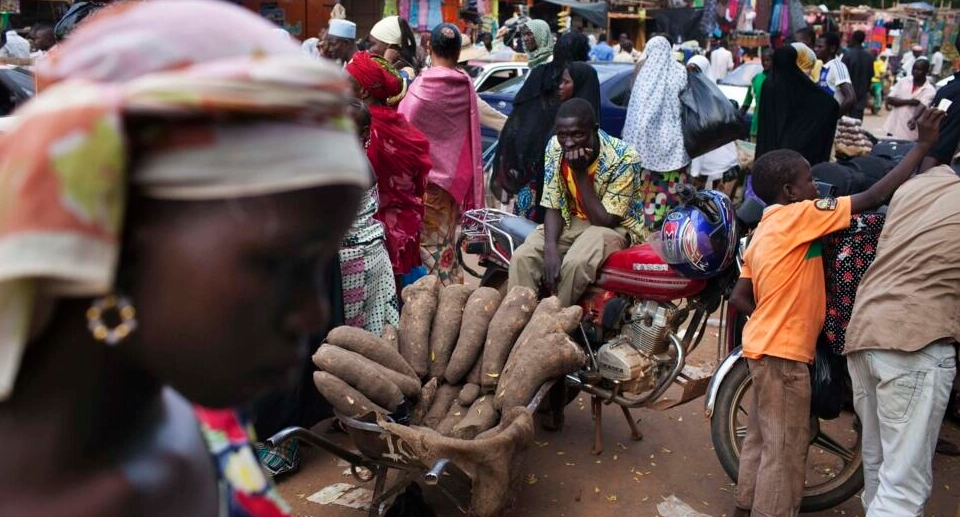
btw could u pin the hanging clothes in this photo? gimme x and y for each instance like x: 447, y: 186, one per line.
x: 414, y: 14
x: 435, y: 13
x: 763, y: 18
x: 404, y: 12
x: 423, y: 16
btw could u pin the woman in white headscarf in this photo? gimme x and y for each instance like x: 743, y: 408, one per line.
x: 392, y: 39
x: 710, y: 167
x: 653, y: 126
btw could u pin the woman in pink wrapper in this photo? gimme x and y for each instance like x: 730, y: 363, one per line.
x: 442, y: 104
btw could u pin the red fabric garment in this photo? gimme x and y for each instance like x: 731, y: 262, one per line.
x: 375, y: 75
x: 399, y: 154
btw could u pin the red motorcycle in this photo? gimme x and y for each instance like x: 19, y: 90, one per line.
x: 641, y: 317
x: 641, y: 320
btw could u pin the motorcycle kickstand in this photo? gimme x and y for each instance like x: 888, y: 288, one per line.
x: 635, y: 432
x: 595, y: 405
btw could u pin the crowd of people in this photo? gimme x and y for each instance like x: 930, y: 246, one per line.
x: 253, y: 191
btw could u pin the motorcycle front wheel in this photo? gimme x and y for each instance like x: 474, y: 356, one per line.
x: 833, y: 471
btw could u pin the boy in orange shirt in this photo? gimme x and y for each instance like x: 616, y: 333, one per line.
x: 782, y: 288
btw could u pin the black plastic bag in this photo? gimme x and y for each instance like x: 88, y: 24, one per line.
x: 708, y: 119
x: 828, y: 382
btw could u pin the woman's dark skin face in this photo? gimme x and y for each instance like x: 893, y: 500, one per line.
x: 377, y: 48
x: 529, y: 40
x: 224, y: 289
x: 766, y: 59
x: 566, y: 86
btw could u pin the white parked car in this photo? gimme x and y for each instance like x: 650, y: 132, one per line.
x: 488, y: 74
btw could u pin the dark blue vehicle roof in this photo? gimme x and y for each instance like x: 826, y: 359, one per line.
x: 616, y: 80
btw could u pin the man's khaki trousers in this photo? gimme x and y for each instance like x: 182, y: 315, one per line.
x: 583, y: 246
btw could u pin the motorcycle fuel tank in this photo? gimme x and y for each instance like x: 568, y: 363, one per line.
x: 640, y: 272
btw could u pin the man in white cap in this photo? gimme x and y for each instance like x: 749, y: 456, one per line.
x: 340, y: 41
x: 909, y: 58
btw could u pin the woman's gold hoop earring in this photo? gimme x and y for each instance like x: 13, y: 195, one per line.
x: 124, y: 312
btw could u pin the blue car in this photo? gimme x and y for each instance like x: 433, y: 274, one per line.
x: 616, y: 80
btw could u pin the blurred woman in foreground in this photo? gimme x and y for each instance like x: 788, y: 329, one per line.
x: 170, y: 197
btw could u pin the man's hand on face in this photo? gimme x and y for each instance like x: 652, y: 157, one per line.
x: 579, y: 160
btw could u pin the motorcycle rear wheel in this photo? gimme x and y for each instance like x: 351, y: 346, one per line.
x: 833, y: 471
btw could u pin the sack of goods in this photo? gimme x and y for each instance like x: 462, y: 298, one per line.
x: 708, y: 118
x: 459, y: 379
x: 851, y: 140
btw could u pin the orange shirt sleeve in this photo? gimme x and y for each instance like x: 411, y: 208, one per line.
x: 820, y: 217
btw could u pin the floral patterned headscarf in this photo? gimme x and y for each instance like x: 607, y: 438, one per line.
x: 64, y: 163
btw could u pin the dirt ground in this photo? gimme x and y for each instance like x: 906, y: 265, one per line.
x: 675, y: 458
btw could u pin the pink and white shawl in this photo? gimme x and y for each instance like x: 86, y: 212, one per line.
x: 442, y: 104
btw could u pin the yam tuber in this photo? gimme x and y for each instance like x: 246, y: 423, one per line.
x: 453, y: 416
x: 415, y: 322
x: 507, y: 324
x: 476, y: 318
x: 474, y: 376
x: 445, y: 395
x: 360, y: 373
x: 344, y: 398
x: 542, y: 359
x: 547, y: 319
x: 391, y: 336
x: 335, y: 360
x: 446, y: 326
x: 480, y: 417
x: 368, y: 345
x: 426, y: 395
x: 469, y: 394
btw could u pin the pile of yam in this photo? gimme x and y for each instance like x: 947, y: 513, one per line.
x: 461, y: 358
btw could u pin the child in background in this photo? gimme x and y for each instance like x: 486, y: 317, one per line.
x: 782, y: 288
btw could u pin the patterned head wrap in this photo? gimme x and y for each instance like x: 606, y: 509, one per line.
x: 375, y: 75
x: 544, y: 38
x: 65, y: 162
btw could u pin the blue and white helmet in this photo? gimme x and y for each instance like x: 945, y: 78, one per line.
x: 698, y: 239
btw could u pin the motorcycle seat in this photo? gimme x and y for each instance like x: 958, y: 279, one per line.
x: 518, y: 228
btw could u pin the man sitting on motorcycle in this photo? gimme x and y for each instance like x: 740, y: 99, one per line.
x: 592, y: 194
x: 782, y: 288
